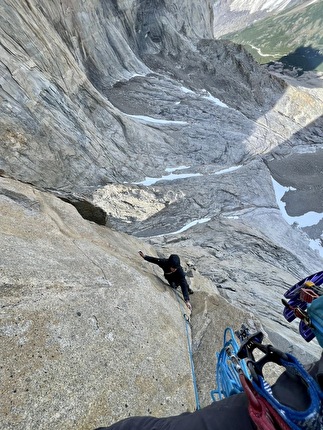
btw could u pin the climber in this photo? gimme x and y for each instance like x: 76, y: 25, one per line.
x: 173, y: 273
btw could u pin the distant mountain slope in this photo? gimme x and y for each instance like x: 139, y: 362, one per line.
x: 235, y: 15
x: 294, y: 36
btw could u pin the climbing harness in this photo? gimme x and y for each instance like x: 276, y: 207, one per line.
x: 189, y: 346
x: 264, y: 409
x: 237, y: 369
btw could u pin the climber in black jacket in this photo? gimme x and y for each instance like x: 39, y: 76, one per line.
x: 173, y: 272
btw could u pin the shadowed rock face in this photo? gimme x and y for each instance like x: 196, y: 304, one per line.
x: 303, y: 174
x: 99, y: 100
x: 73, y: 87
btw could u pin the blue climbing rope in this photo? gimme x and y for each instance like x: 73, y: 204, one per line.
x: 227, y: 377
x: 187, y: 325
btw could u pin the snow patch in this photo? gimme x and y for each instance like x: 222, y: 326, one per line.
x: 308, y: 219
x: 215, y: 100
x: 173, y: 169
x: 186, y: 227
x: 171, y: 177
x: 229, y: 169
x: 148, y: 119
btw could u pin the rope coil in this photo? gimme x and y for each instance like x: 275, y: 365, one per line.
x: 227, y: 378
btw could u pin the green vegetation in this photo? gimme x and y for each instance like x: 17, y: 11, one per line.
x: 294, y: 37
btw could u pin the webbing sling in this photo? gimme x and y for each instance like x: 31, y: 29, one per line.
x: 309, y: 419
x: 261, y: 412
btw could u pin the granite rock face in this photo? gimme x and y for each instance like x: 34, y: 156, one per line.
x: 126, y: 126
x: 90, y: 333
x: 86, y: 329
x: 76, y: 118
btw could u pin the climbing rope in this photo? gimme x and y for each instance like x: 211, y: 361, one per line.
x: 187, y: 327
x: 227, y: 378
x: 189, y: 346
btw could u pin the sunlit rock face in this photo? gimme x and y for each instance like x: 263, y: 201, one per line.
x: 90, y: 333
x: 126, y: 126
x: 86, y: 330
